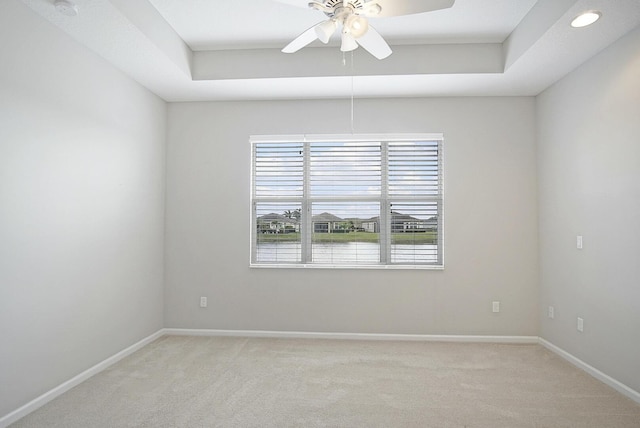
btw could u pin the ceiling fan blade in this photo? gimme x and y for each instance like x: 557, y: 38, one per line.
x: 302, y: 40
x: 409, y: 7
x: 373, y: 42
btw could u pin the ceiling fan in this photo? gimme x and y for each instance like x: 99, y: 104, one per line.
x: 352, y: 16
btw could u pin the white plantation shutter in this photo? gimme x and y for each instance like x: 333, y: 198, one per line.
x: 414, y: 169
x: 347, y: 201
x: 339, y: 169
x: 345, y: 183
x: 336, y: 239
x: 415, y: 202
x: 278, y: 172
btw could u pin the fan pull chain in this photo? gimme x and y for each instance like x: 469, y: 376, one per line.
x: 352, y: 92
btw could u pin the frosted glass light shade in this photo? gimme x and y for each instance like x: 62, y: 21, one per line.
x: 357, y: 25
x: 348, y: 42
x: 325, y: 30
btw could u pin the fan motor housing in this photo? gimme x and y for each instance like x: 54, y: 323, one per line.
x: 335, y: 5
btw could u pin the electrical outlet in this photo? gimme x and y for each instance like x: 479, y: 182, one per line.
x: 552, y: 312
x: 203, y: 302
x: 579, y: 242
x: 496, y: 307
x: 580, y: 325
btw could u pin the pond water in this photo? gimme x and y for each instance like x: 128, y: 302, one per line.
x: 345, y: 253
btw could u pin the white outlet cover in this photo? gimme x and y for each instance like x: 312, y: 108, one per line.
x: 551, y: 312
x: 580, y: 325
x: 496, y: 307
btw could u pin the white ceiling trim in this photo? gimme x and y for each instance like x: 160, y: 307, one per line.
x: 328, y: 62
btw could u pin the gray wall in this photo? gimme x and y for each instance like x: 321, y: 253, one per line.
x: 490, y: 218
x: 589, y: 175
x: 81, y: 208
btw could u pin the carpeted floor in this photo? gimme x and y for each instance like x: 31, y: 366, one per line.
x: 240, y: 382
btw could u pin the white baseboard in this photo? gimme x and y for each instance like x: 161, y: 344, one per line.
x: 61, y: 389
x: 352, y: 336
x: 608, y: 380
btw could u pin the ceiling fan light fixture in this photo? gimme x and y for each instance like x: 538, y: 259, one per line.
x: 348, y: 42
x: 325, y: 30
x: 357, y: 25
x: 586, y: 18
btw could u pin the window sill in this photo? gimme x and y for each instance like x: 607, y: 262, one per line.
x: 350, y: 267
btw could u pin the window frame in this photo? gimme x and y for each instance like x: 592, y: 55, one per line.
x: 307, y: 200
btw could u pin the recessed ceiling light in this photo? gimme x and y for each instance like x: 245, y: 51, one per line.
x: 66, y: 7
x: 586, y: 18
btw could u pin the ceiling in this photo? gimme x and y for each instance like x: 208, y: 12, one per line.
x: 206, y: 25
x: 197, y: 50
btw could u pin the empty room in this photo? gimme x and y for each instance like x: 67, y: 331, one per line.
x: 332, y: 213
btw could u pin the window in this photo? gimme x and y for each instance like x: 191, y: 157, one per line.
x: 347, y: 201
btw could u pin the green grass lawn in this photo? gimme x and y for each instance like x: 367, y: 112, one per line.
x: 397, y: 238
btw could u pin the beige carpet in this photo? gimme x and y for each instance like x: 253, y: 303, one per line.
x: 240, y: 382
